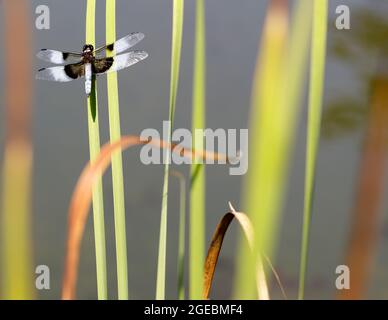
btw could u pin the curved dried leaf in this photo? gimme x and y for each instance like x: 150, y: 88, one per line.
x: 215, y: 248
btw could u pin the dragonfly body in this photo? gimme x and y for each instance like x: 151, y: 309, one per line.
x: 88, y: 59
x: 89, y: 62
x: 88, y: 78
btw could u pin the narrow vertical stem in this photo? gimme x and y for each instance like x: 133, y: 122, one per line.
x: 317, y: 77
x: 94, y: 150
x: 16, y: 239
x: 177, y: 29
x: 117, y: 163
x: 197, y: 185
x: 181, y: 236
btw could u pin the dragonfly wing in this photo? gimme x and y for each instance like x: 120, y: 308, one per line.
x: 59, y: 57
x: 122, y: 44
x: 119, y: 62
x: 62, y: 73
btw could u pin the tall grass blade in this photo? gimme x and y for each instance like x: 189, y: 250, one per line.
x: 117, y: 162
x: 317, y: 79
x: 197, y: 185
x: 16, y: 240
x: 262, y: 175
x: 276, y: 104
x: 177, y: 29
x: 94, y: 149
x: 182, y: 233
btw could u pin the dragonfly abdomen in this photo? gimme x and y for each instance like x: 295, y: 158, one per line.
x: 88, y: 78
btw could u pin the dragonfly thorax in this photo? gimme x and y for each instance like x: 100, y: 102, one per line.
x: 87, y: 53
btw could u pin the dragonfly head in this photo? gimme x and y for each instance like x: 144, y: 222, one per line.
x: 88, y: 48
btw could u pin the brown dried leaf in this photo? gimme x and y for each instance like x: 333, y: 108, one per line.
x: 215, y: 248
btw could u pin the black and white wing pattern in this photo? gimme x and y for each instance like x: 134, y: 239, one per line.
x: 122, y: 44
x: 59, y: 57
x: 62, y: 73
x: 119, y: 62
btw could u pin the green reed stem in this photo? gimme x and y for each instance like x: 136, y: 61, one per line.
x: 177, y: 30
x: 276, y: 104
x: 117, y: 162
x: 182, y: 233
x: 94, y: 149
x: 197, y: 185
x: 317, y: 78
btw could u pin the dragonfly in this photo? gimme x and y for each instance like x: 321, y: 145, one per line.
x: 91, y: 62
